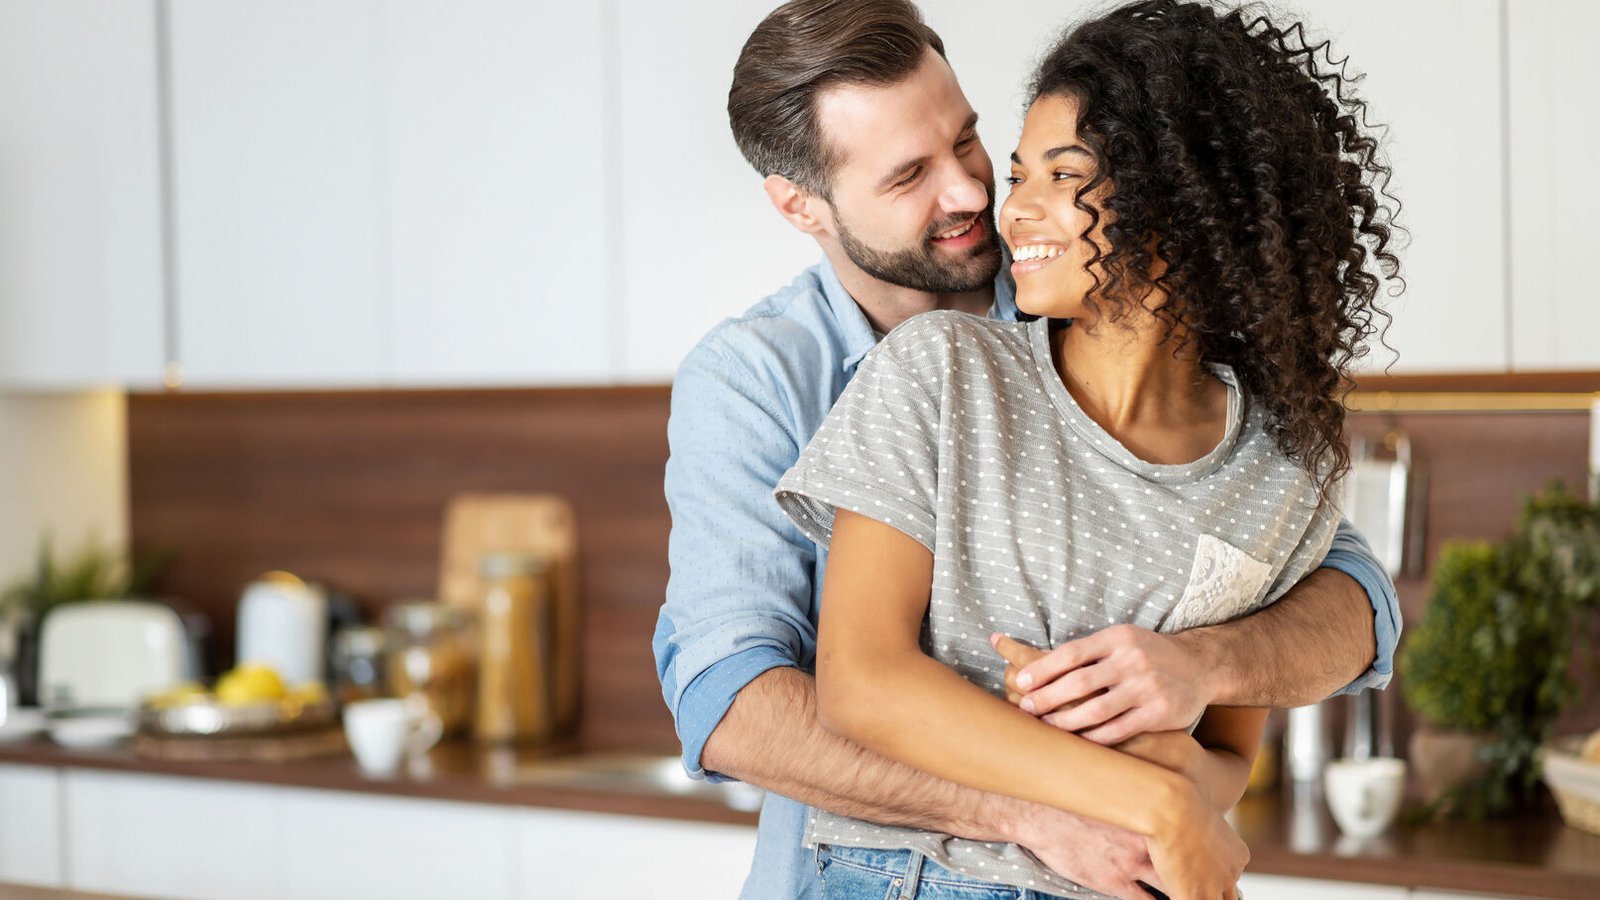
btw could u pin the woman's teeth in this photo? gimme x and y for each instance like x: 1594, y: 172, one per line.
x: 955, y: 233
x: 1037, y: 251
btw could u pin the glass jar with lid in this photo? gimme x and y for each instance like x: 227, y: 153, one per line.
x: 431, y: 654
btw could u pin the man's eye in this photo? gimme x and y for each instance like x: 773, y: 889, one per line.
x: 966, y: 142
x: 910, y: 178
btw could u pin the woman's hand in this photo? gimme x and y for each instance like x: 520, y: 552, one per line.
x: 1196, y: 853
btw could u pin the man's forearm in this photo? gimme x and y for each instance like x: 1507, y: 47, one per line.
x: 1315, y: 640
x: 770, y: 737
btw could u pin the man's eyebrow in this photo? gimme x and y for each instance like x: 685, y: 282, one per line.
x: 1054, y: 152
x: 901, y: 170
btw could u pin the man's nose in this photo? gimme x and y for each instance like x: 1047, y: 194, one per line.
x: 964, y: 192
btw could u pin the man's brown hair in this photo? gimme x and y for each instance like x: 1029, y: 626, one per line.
x: 803, y: 48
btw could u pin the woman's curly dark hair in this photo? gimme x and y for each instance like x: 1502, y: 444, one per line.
x: 1245, y: 168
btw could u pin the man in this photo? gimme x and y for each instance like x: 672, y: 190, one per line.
x: 866, y: 143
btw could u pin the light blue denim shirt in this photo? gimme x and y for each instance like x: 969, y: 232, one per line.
x: 745, y: 582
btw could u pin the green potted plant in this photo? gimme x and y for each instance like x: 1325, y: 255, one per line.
x: 1488, y: 667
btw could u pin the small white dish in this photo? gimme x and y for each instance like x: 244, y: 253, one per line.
x: 21, y: 723
x: 83, y: 731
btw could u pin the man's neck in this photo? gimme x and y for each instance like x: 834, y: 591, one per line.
x: 887, y: 305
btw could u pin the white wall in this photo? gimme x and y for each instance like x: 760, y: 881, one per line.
x: 62, y: 470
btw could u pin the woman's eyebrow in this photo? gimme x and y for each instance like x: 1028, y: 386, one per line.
x: 1054, y: 152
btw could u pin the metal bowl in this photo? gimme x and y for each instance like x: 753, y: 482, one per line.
x: 205, y: 717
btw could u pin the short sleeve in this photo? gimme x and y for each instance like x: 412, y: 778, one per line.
x: 1308, y: 553
x: 875, y: 455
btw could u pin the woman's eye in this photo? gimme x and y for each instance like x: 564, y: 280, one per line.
x: 1063, y: 176
x: 1013, y: 180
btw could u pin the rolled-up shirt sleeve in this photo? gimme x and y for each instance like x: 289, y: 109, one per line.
x: 741, y: 587
x: 1351, y: 555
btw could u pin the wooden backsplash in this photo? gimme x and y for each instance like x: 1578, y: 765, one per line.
x: 349, y: 488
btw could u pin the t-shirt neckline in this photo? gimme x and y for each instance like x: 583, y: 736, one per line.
x: 1102, y: 442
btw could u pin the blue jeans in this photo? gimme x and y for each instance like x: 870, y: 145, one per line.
x: 858, y: 873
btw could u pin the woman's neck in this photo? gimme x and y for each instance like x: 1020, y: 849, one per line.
x: 1165, y: 407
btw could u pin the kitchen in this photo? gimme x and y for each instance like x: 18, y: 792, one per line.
x: 287, y: 288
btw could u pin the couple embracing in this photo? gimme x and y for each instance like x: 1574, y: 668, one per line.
x: 997, y: 532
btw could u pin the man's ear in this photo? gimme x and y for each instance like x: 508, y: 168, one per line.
x: 800, y: 207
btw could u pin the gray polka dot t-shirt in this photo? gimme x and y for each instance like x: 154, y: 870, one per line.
x: 958, y: 431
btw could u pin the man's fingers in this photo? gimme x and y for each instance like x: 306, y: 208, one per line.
x: 1077, y: 685
x: 1061, y: 660
x: 1124, y: 727
x: 1094, y: 712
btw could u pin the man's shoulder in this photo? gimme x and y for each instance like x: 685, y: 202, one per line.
x: 791, y: 325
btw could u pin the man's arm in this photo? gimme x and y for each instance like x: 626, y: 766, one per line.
x: 736, y: 632
x: 771, y: 738
x: 1333, y: 631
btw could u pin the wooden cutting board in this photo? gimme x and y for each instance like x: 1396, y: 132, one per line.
x: 540, y: 524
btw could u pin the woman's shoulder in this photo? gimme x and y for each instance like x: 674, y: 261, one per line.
x: 939, y: 337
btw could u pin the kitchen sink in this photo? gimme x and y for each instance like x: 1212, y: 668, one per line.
x: 634, y: 773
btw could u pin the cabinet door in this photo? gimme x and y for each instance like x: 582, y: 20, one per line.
x: 80, y: 195
x: 592, y: 856
x: 1553, y: 189
x: 1277, y: 887
x: 277, y: 195
x: 501, y: 238
x: 154, y: 836
x: 340, y: 845
x: 30, y: 825
x: 698, y: 240
x: 1440, y: 98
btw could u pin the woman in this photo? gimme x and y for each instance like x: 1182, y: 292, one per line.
x: 1195, y: 217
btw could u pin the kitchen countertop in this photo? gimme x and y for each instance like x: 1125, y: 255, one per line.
x: 1290, y: 833
x: 454, y: 770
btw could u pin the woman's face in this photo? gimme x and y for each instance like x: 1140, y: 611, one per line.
x: 1041, y: 221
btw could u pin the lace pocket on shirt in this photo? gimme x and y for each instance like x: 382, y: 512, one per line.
x: 1223, y: 585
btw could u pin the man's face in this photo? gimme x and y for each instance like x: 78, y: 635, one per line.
x: 913, y: 188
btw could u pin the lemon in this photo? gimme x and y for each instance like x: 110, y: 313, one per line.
x: 250, y: 683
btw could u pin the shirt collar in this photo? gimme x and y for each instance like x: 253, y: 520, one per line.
x: 859, y: 338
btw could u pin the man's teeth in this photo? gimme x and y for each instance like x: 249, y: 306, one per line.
x: 1038, y: 251
x: 957, y: 232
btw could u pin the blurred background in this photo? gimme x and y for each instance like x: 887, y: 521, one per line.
x: 309, y: 307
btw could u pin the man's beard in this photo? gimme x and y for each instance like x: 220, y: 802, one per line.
x: 924, y: 267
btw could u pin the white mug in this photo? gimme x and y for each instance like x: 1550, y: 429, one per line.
x: 385, y: 731
x: 1364, y: 794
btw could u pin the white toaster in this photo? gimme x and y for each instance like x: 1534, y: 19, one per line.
x: 109, y: 653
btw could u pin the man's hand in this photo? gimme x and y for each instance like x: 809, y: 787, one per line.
x: 1112, y: 685
x: 1098, y: 856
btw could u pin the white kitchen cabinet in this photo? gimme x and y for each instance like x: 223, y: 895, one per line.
x: 1278, y: 887
x: 339, y: 845
x: 275, y: 111
x: 593, y: 856
x: 81, y: 290
x: 30, y: 825
x: 1439, y: 97
x: 500, y: 244
x: 696, y: 239
x: 154, y: 836
x: 1555, y: 320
